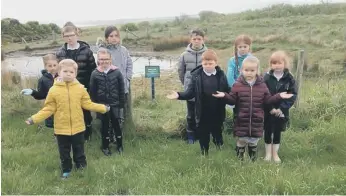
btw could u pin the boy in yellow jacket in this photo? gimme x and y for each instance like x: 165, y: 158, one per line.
x: 65, y: 100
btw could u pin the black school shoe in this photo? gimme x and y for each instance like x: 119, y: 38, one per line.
x: 106, y: 151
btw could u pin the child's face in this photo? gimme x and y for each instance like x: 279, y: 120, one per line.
x: 70, y: 38
x: 249, y: 71
x: 51, y: 66
x: 197, y: 41
x: 243, y: 48
x: 67, y: 73
x: 113, y: 38
x: 278, y: 66
x: 209, y: 65
x: 104, y: 60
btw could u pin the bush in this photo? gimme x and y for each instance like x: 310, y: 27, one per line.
x: 130, y: 27
x: 170, y: 43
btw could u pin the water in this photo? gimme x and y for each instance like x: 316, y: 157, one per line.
x: 32, y: 66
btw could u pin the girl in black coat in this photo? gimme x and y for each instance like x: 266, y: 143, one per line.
x: 107, y: 87
x: 278, y: 79
x: 45, y: 83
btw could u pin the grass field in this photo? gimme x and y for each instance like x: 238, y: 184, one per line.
x: 157, y: 161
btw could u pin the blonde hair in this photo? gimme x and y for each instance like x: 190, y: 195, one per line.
x: 68, y: 63
x: 49, y: 57
x: 104, y: 51
x: 252, y: 59
x: 279, y: 56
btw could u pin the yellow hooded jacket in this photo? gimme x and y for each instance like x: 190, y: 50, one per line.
x: 65, y: 101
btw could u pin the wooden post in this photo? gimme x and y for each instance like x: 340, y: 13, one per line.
x: 299, y: 75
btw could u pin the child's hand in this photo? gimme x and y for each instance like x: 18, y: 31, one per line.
x: 219, y: 94
x: 273, y: 111
x: 107, y: 108
x: 29, y: 121
x: 173, y: 95
x: 26, y: 91
x: 284, y: 95
x: 278, y: 113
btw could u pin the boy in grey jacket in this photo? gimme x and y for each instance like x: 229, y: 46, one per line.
x: 189, y: 60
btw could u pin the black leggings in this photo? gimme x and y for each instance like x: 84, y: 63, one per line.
x: 272, y: 129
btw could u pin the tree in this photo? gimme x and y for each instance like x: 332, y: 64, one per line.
x: 130, y: 27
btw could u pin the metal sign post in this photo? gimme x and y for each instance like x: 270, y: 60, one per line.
x: 152, y: 72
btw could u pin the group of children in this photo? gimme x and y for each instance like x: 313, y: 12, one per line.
x: 73, y: 84
x: 260, y: 103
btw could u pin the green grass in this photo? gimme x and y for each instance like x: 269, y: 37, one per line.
x: 157, y: 161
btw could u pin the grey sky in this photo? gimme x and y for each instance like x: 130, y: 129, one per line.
x: 60, y: 11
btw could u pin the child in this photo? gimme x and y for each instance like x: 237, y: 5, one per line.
x: 45, y: 83
x: 278, y: 79
x: 65, y: 100
x: 120, y: 58
x: 81, y: 53
x: 107, y: 87
x: 210, y: 112
x: 189, y: 60
x: 249, y: 94
x: 242, y: 47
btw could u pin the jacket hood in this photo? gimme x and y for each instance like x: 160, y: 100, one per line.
x: 190, y: 50
x: 100, y: 69
x: 100, y: 43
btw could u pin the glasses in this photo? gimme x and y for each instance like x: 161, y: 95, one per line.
x: 72, y: 35
x: 104, y: 59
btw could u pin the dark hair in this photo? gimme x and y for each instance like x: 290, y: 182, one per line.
x: 110, y: 29
x: 197, y: 32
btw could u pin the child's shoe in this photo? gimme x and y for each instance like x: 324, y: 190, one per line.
x: 106, y: 151
x: 252, y: 151
x: 276, y: 157
x: 269, y: 148
x: 65, y: 175
x: 190, y: 138
x: 240, y: 152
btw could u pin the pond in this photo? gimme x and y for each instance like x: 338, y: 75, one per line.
x: 32, y: 65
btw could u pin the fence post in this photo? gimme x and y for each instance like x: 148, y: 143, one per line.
x: 54, y: 36
x: 299, y: 75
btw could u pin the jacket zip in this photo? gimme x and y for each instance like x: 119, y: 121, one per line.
x: 69, y: 104
x: 250, y: 110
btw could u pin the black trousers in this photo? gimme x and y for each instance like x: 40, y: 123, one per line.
x: 190, y: 117
x: 105, y: 128
x: 65, y: 142
x: 273, y: 126
x: 87, y: 120
x: 205, y: 129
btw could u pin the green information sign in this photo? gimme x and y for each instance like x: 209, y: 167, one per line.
x: 152, y: 71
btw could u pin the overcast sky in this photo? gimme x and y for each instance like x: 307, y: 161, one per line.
x: 60, y: 11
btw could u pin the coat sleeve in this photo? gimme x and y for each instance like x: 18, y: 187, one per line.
x: 190, y: 92
x: 93, y: 87
x: 181, y: 68
x: 231, y: 97
x: 121, y: 89
x: 129, y: 66
x: 41, y: 92
x: 60, y: 54
x: 231, y: 72
x: 91, y: 61
x: 288, y: 103
x: 87, y: 104
x: 270, y: 99
x: 48, y: 109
